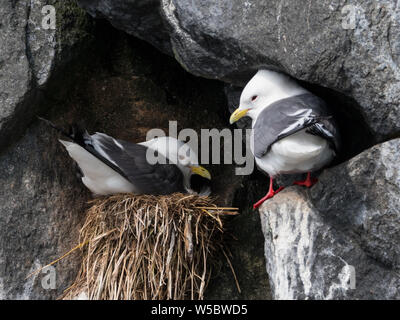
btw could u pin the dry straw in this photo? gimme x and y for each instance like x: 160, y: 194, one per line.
x: 148, y: 247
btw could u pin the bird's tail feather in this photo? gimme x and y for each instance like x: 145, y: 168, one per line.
x: 82, y: 138
x: 52, y: 125
x: 76, y: 133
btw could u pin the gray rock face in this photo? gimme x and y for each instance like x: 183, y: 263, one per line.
x: 41, y: 210
x: 30, y: 55
x: 311, y: 41
x: 16, y: 75
x: 40, y: 201
x: 338, y: 240
x: 353, y: 49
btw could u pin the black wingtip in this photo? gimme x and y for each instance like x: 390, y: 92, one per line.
x: 52, y: 125
x: 49, y: 123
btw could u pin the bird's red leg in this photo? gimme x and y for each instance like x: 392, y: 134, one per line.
x: 309, y: 182
x: 269, y: 195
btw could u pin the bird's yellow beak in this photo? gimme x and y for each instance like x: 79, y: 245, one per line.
x: 237, y: 114
x: 199, y: 170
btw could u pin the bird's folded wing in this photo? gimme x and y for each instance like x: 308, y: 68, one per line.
x: 287, y: 116
x: 327, y: 129
x: 130, y: 158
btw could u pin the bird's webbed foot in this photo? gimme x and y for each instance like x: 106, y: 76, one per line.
x: 309, y: 182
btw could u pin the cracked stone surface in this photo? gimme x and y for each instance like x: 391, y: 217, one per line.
x: 338, y: 240
x: 31, y: 56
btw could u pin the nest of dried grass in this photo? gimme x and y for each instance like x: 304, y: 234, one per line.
x: 148, y: 247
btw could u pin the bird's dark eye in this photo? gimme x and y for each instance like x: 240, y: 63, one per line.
x: 254, y: 98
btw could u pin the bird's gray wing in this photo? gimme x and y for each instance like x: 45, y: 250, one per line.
x: 130, y: 158
x: 287, y: 116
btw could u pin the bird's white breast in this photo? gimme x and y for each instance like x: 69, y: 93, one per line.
x: 297, y: 153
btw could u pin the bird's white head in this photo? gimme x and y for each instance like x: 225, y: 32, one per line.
x: 188, y: 160
x: 262, y: 90
x: 180, y: 154
x: 188, y: 163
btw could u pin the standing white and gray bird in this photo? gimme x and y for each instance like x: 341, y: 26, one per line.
x: 111, y: 166
x: 293, y: 131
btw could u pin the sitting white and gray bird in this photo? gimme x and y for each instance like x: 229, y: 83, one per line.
x: 293, y: 131
x: 111, y: 166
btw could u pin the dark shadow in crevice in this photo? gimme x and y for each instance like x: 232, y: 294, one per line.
x: 356, y: 136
